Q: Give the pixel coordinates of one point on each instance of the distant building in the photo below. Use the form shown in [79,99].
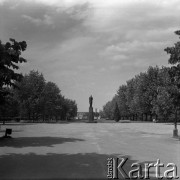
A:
[82,115]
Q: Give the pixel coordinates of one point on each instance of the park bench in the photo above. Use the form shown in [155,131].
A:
[8,132]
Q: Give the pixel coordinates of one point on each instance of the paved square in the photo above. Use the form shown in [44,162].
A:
[80,150]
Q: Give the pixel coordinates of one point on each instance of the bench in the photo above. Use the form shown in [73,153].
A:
[8,132]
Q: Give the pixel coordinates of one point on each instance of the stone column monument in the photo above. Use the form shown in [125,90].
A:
[91,114]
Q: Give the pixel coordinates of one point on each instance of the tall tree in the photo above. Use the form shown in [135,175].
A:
[122,101]
[10,56]
[39,99]
[50,100]
[162,102]
[30,93]
[116,113]
[174,73]
[108,110]
[9,59]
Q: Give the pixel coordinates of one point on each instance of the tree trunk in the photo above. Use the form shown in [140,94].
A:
[175,121]
[43,117]
[33,116]
[156,117]
[29,114]
[146,117]
[151,117]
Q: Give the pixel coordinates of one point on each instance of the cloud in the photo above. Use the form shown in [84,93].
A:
[47,20]
[115,67]
[102,69]
[133,46]
[41,25]
[118,15]
[2,2]
[91,46]
[84,67]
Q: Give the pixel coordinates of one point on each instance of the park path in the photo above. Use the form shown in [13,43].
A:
[80,150]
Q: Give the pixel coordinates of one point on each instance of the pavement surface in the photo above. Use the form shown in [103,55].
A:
[80,150]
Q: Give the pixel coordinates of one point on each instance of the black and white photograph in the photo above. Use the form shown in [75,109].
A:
[89,89]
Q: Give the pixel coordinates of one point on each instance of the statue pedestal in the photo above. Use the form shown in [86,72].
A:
[91,114]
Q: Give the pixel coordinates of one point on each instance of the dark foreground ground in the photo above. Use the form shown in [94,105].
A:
[80,150]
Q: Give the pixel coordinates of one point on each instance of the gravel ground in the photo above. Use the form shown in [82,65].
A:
[80,150]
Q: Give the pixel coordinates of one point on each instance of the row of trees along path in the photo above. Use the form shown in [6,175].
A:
[151,94]
[30,96]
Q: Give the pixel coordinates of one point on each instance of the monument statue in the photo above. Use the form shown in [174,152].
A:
[90,101]
[91,114]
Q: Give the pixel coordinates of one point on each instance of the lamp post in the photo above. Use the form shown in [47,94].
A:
[175,131]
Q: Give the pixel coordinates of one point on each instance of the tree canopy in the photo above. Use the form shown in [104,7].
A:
[29,96]
[37,100]
[155,92]
[9,59]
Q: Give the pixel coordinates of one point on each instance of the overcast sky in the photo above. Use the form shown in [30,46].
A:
[91,46]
